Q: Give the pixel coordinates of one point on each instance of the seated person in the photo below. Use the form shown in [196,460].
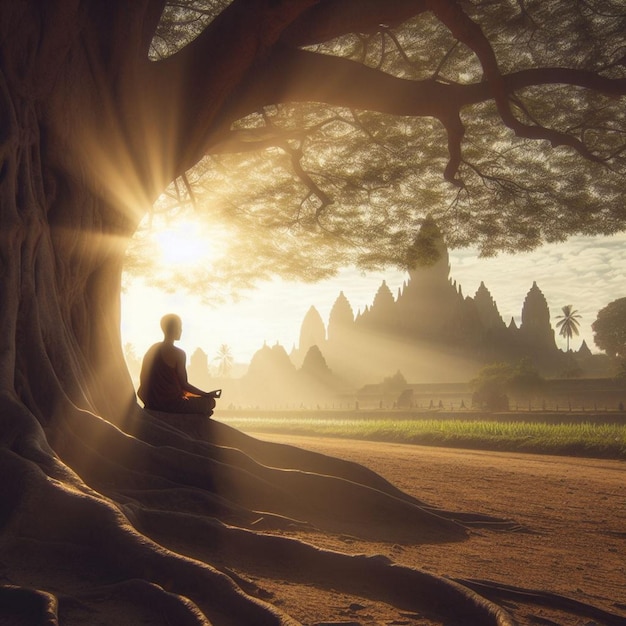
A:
[163,384]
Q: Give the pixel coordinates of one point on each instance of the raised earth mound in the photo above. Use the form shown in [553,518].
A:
[188,521]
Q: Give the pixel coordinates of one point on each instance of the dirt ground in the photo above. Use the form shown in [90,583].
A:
[571,539]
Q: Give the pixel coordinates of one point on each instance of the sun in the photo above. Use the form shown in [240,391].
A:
[184,244]
[181,244]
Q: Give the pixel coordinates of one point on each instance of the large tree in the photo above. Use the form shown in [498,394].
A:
[609,329]
[504,120]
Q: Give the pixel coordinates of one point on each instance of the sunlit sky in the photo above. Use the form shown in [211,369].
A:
[587,273]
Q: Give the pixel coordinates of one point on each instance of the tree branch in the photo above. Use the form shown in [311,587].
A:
[197,82]
[302,76]
[240,64]
[468,32]
[334,18]
[153,12]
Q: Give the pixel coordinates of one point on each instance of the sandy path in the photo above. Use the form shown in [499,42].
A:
[573,510]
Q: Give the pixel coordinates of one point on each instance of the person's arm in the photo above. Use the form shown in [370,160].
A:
[181,372]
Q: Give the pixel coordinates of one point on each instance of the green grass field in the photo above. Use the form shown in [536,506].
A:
[582,439]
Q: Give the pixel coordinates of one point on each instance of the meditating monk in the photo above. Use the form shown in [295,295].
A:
[163,384]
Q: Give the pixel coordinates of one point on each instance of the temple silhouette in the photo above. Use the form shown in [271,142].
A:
[427,342]
[432,333]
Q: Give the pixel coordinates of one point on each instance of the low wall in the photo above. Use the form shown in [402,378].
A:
[593,394]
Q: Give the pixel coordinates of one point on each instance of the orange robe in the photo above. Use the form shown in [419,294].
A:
[160,388]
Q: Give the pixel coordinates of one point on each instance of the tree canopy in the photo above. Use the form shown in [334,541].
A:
[496,381]
[609,329]
[505,123]
[360,120]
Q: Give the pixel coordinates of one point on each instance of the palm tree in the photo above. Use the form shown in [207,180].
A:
[224,360]
[569,323]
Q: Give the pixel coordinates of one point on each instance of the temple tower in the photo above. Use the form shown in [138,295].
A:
[382,314]
[341,318]
[312,332]
[429,306]
[535,330]
[487,309]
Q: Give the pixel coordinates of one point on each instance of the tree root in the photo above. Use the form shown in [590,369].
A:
[20,605]
[374,577]
[500,591]
[329,502]
[88,521]
[174,524]
[169,607]
[220,435]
